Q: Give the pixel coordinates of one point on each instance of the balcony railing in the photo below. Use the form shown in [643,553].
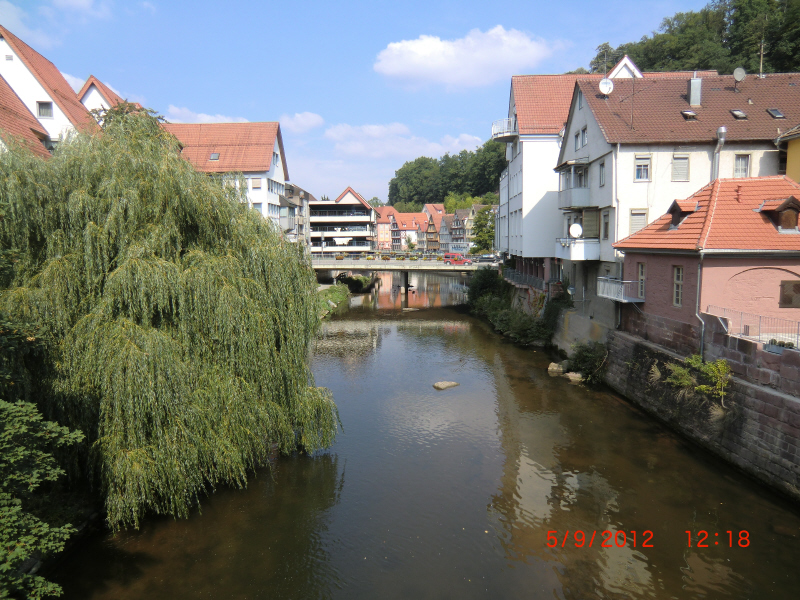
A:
[759,328]
[577,197]
[577,248]
[621,291]
[338,213]
[504,130]
[339,228]
[517,278]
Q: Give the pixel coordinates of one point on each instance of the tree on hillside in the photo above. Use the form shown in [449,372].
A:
[375,202]
[483,230]
[408,207]
[416,181]
[180,320]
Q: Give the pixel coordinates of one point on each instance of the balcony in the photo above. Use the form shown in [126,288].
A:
[287,222]
[578,249]
[577,197]
[621,291]
[504,130]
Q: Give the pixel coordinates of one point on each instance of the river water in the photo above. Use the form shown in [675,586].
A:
[452,494]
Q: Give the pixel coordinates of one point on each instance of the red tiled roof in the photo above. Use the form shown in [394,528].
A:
[51,80]
[658,102]
[384,213]
[409,221]
[17,121]
[789,134]
[244,147]
[111,97]
[543,101]
[358,196]
[729,217]
[436,219]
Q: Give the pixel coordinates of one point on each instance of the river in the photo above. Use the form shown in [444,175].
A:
[452,494]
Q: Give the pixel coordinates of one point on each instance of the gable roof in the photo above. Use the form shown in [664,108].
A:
[51,79]
[433,209]
[17,121]
[110,96]
[789,134]
[657,104]
[463,213]
[543,101]
[410,221]
[731,214]
[358,197]
[384,213]
[244,147]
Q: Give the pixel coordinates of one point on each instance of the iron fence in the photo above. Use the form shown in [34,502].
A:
[621,291]
[760,328]
[514,276]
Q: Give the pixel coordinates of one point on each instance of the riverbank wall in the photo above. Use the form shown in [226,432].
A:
[759,432]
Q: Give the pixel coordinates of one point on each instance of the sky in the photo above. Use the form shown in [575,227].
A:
[358,87]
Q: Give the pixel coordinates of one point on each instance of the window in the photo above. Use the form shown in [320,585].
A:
[602,174]
[741,167]
[739,115]
[257,206]
[584,137]
[606,222]
[638,220]
[680,168]
[642,169]
[641,270]
[45,109]
[580,99]
[214,156]
[577,141]
[677,286]
[774,112]
[256,183]
[9,57]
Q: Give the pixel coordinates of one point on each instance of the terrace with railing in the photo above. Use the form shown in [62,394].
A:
[621,291]
[760,328]
[517,278]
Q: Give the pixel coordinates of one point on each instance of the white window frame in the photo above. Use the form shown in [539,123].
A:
[577,141]
[680,157]
[584,137]
[736,160]
[642,161]
[40,106]
[605,224]
[677,286]
[256,183]
[602,173]
[580,100]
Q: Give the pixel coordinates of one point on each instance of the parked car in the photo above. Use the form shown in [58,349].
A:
[456,259]
[490,258]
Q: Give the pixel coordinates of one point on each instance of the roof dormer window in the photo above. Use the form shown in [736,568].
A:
[787,220]
[782,213]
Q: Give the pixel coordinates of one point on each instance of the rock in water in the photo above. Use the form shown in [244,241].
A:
[555,369]
[574,377]
[444,385]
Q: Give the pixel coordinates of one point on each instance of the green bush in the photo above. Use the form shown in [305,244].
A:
[589,359]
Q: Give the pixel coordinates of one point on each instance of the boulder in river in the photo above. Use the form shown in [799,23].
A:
[555,368]
[574,377]
[444,385]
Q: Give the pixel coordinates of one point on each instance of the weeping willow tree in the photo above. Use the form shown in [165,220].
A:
[178,319]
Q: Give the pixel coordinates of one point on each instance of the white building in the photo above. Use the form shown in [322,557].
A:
[628,155]
[17,122]
[41,88]
[528,213]
[253,149]
[345,225]
[96,95]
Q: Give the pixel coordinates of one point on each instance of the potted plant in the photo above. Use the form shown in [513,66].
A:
[775,346]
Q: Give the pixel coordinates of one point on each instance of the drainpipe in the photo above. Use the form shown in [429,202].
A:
[721,131]
[697,308]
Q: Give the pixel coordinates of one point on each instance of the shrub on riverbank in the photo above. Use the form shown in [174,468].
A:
[355,283]
[179,319]
[491,297]
[337,293]
[589,359]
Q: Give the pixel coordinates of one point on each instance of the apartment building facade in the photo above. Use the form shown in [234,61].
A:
[346,225]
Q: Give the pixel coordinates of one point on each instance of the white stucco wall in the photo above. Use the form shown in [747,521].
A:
[93,99]
[541,217]
[30,91]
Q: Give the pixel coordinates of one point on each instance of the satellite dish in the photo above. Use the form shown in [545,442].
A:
[606,86]
[739,74]
[575,230]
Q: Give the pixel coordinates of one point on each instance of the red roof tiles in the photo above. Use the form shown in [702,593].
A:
[111,97]
[657,104]
[410,221]
[51,80]
[17,121]
[729,216]
[245,147]
[385,213]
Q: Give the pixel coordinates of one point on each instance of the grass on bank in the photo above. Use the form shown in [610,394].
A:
[337,293]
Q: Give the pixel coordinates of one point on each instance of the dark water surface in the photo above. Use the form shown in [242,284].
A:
[451,494]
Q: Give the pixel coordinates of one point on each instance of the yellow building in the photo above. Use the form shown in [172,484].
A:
[790,141]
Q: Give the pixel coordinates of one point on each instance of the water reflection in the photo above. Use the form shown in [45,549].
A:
[426,290]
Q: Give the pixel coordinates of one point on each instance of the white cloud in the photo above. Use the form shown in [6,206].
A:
[13,18]
[479,58]
[301,122]
[76,83]
[393,140]
[87,8]
[178,114]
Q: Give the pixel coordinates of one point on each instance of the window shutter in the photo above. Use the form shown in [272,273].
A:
[680,168]
[638,221]
[591,223]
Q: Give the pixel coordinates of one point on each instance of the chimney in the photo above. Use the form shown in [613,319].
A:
[693,94]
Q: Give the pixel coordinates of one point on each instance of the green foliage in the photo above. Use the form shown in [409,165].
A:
[26,463]
[483,229]
[355,283]
[429,180]
[723,35]
[336,293]
[408,207]
[375,202]
[589,359]
[180,320]
[718,373]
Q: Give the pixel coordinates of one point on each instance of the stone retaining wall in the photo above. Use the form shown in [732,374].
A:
[761,432]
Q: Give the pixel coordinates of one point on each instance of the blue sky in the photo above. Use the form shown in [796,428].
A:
[359,87]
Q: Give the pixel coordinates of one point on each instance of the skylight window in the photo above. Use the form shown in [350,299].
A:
[689,115]
[775,113]
[738,114]
[214,156]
